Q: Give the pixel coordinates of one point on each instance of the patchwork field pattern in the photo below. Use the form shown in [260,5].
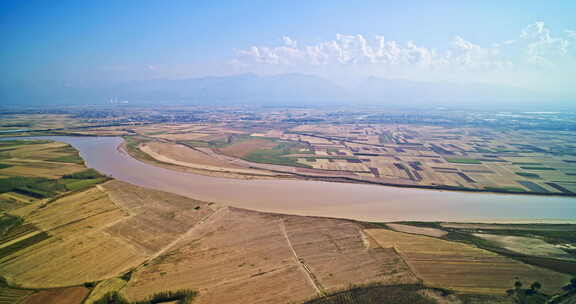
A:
[462,267]
[168,242]
[140,242]
[472,158]
[69,231]
[266,258]
[467,158]
[98,233]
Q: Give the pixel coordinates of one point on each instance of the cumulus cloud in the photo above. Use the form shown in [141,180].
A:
[464,54]
[543,48]
[537,45]
[345,50]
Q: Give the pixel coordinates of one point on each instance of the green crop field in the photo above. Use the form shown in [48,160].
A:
[276,155]
[463,161]
[507,189]
[538,168]
[74,159]
[527,174]
[75,185]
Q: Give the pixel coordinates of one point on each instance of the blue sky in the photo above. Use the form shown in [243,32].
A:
[82,43]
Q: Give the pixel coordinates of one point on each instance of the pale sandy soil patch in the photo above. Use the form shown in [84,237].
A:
[526,245]
[418,230]
[183,156]
[462,267]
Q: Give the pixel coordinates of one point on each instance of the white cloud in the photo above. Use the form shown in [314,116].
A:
[344,50]
[289,42]
[466,55]
[536,44]
[542,48]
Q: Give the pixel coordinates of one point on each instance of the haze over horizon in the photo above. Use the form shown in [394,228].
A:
[419,53]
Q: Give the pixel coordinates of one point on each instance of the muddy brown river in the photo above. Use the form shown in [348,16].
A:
[316,198]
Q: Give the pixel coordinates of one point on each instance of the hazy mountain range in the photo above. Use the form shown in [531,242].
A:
[290,89]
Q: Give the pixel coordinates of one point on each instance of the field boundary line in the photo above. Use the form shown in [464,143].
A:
[396,249]
[305,268]
[181,237]
[110,196]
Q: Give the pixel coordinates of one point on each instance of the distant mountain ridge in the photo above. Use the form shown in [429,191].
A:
[244,88]
[295,89]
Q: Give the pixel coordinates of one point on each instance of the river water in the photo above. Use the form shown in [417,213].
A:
[316,198]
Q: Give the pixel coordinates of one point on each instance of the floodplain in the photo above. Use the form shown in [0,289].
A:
[123,241]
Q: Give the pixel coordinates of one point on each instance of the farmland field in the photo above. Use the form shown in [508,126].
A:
[198,160]
[13,295]
[418,230]
[526,245]
[304,255]
[463,267]
[72,295]
[139,243]
[36,170]
[475,159]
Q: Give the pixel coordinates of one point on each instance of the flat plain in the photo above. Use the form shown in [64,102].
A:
[153,241]
[116,237]
[462,267]
[476,159]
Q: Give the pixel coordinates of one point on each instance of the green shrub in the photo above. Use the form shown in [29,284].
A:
[184,296]
[112,298]
[86,174]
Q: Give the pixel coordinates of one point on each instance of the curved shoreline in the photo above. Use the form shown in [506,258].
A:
[335,179]
[295,175]
[357,201]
